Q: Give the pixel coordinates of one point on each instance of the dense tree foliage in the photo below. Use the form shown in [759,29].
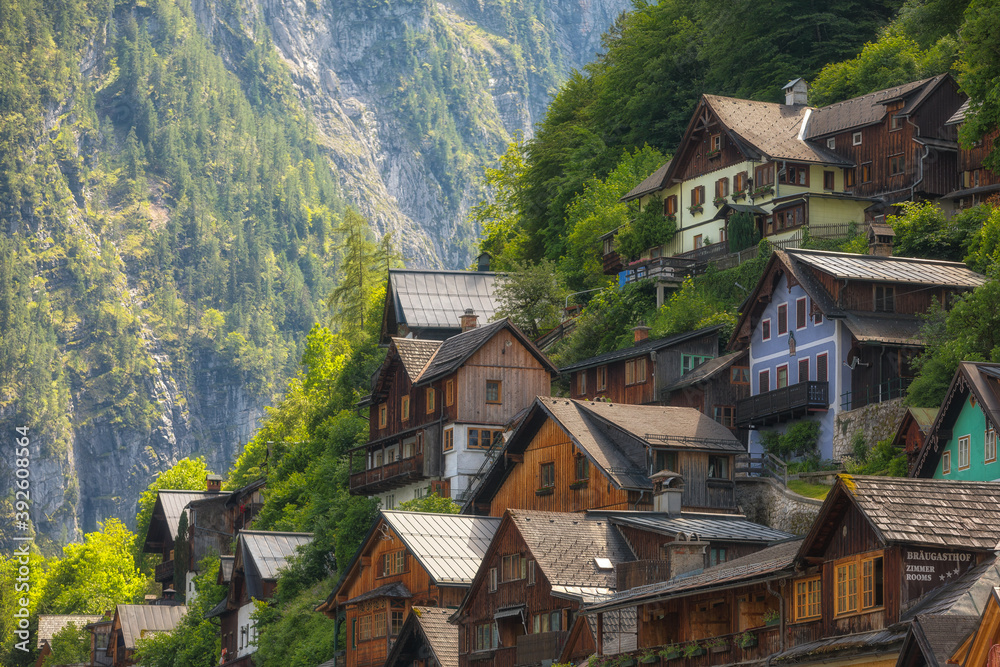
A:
[71,645]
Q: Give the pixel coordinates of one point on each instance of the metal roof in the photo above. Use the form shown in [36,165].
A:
[705,526]
[139,620]
[449,546]
[437,299]
[173,503]
[641,348]
[877,268]
[50,624]
[270,550]
[891,328]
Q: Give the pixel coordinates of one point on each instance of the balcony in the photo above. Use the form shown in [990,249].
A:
[532,649]
[782,405]
[164,571]
[389,476]
[722,650]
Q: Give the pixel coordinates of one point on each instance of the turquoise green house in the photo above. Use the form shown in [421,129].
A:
[962,442]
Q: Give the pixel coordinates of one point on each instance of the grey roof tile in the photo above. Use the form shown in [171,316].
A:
[650,184]
[863,110]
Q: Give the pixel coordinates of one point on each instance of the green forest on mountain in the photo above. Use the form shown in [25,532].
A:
[246,257]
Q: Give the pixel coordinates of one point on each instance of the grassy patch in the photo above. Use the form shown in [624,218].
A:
[808,490]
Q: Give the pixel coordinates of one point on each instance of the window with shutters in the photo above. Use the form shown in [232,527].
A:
[782,319]
[821,368]
[800,313]
[866,172]
[828,180]
[670,205]
[698,195]
[764,381]
[804,370]
[850,177]
[764,175]
[740,182]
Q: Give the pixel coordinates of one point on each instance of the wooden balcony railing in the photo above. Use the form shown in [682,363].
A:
[164,571]
[388,476]
[722,650]
[532,649]
[783,404]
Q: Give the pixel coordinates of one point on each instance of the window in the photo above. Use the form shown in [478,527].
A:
[850,178]
[866,172]
[847,588]
[669,206]
[990,445]
[602,378]
[718,467]
[378,624]
[547,472]
[429,399]
[722,187]
[698,241]
[725,415]
[449,440]
[449,393]
[765,329]
[782,319]
[635,371]
[739,375]
[383,415]
[856,139]
[581,382]
[698,195]
[963,452]
[821,368]
[493,388]
[895,123]
[691,361]
[484,438]
[808,598]
[581,467]
[548,621]
[531,573]
[487,637]
[946,463]
[365,628]
[404,408]
[782,376]
[717,555]
[513,567]
[791,216]
[885,298]
[831,143]
[859,580]
[803,370]
[800,313]
[493,580]
[828,180]
[664,460]
[817,316]
[716,143]
[871,583]
[764,175]
[396,623]
[897,165]
[794,174]
[764,383]
[740,182]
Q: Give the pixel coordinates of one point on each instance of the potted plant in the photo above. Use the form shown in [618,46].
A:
[740,194]
[718,645]
[747,640]
[763,191]
[771,617]
[648,657]
[693,650]
[625,661]
[719,201]
[697,208]
[671,652]
[713,154]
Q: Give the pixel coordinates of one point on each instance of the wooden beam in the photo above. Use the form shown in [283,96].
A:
[516,458]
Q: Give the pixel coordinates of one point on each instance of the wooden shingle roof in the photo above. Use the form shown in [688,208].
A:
[441,635]
[414,353]
[652,183]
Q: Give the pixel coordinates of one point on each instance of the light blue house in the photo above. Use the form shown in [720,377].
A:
[830,332]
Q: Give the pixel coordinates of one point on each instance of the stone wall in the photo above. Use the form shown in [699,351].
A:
[877,421]
[766,501]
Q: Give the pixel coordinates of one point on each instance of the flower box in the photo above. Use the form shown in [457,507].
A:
[671,653]
[578,484]
[771,622]
[737,196]
[547,491]
[719,201]
[747,640]
[698,208]
[649,659]
[719,648]
[711,155]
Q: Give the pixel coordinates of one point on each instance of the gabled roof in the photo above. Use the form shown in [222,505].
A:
[652,183]
[414,354]
[869,109]
[172,503]
[449,546]
[426,627]
[261,554]
[918,512]
[705,372]
[641,348]
[707,527]
[936,636]
[983,381]
[455,351]
[959,116]
[139,620]
[50,624]
[774,561]
[430,299]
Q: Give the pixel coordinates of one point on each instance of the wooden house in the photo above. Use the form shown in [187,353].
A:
[912,431]
[437,408]
[829,332]
[571,456]
[427,639]
[134,621]
[407,559]
[639,374]
[253,575]
[163,528]
[100,640]
[427,304]
[713,388]
[50,624]
[962,441]
[976,183]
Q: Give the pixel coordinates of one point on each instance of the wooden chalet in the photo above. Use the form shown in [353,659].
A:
[912,431]
[427,304]
[407,559]
[639,374]
[976,183]
[571,456]
[885,556]
[134,621]
[252,575]
[437,408]
[713,388]
[829,332]
[427,639]
[163,530]
[962,441]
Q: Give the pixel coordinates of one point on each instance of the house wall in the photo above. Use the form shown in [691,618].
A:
[246,631]
[970,422]
[700,492]
[642,393]
[502,358]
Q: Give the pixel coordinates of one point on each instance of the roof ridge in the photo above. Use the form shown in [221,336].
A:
[880,258]
[454,271]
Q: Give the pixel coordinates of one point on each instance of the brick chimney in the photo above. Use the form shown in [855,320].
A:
[213,483]
[641,333]
[796,92]
[468,320]
[880,238]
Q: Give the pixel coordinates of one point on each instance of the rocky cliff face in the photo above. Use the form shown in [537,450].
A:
[367,70]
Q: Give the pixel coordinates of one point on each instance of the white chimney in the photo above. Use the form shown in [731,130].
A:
[796,92]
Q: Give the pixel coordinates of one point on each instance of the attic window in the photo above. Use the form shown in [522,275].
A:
[831,143]
[603,563]
[856,139]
